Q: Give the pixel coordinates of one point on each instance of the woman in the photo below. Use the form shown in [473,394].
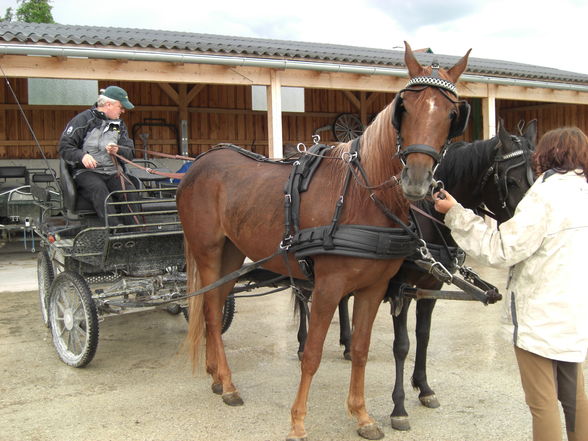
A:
[545,245]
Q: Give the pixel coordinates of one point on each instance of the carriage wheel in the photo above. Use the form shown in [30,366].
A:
[228,313]
[73,319]
[45,276]
[346,127]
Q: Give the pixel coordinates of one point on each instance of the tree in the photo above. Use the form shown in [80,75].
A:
[31,11]
[9,15]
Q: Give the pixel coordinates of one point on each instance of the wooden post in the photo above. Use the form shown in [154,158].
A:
[274,116]
[489,112]
[183,113]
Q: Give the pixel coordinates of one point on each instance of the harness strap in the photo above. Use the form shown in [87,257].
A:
[298,182]
[355,241]
[353,155]
[245,269]
[150,170]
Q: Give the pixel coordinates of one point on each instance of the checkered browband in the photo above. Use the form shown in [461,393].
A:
[433,81]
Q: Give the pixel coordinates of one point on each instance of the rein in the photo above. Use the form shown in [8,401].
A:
[148,169]
[165,155]
[124,180]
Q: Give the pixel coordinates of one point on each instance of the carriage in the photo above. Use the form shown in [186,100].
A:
[87,271]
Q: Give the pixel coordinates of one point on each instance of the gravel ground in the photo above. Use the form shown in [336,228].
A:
[140,385]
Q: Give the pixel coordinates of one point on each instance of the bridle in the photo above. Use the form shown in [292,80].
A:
[503,162]
[458,123]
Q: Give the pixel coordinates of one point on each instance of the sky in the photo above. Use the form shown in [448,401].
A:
[538,32]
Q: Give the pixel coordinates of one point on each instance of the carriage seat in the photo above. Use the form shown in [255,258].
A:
[72,201]
[13,177]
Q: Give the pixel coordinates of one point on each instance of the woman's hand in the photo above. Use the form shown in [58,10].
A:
[443,201]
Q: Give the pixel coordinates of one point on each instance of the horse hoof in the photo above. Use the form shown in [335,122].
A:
[430,401]
[232,399]
[217,388]
[400,423]
[347,355]
[300,354]
[370,431]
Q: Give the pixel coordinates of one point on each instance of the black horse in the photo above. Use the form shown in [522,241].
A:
[495,173]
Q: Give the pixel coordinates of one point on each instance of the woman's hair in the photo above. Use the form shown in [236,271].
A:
[564,149]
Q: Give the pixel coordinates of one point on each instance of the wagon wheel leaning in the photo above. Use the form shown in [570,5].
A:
[73,319]
[228,313]
[346,127]
[45,276]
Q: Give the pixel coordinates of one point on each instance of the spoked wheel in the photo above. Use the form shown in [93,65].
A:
[73,319]
[228,313]
[45,276]
[346,127]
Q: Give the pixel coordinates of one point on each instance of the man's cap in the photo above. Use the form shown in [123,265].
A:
[119,94]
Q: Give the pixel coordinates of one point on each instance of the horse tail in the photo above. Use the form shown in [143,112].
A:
[195,336]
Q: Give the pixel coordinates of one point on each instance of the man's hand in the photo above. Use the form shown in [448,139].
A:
[443,201]
[111,148]
[89,161]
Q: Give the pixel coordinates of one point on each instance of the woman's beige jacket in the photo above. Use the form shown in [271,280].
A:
[546,245]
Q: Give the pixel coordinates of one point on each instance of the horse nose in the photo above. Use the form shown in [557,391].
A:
[416,181]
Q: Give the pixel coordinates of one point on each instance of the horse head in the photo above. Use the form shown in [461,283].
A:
[512,172]
[426,115]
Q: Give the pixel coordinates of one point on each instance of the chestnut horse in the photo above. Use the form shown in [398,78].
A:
[231,207]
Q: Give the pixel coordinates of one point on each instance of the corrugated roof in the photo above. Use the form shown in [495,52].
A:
[56,34]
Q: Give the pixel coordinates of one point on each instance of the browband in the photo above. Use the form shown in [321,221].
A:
[433,81]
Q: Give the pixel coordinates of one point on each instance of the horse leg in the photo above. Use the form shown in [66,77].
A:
[423,330]
[344,328]
[216,362]
[302,307]
[321,313]
[399,417]
[365,308]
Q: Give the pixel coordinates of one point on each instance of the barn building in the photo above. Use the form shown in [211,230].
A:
[192,91]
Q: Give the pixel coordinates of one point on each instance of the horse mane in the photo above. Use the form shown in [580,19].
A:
[466,161]
[376,152]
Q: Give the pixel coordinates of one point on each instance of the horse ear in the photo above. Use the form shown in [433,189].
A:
[414,67]
[503,135]
[501,130]
[455,72]
[531,132]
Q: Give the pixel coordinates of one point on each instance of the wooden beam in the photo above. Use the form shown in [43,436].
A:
[370,99]
[143,71]
[194,92]
[363,108]
[21,66]
[171,109]
[170,92]
[354,100]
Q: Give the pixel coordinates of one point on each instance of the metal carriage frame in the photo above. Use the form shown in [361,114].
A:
[88,272]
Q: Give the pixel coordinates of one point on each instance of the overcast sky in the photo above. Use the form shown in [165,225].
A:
[540,32]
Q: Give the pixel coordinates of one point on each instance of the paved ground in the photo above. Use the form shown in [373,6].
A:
[140,385]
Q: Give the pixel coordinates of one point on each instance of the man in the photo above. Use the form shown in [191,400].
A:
[87,144]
